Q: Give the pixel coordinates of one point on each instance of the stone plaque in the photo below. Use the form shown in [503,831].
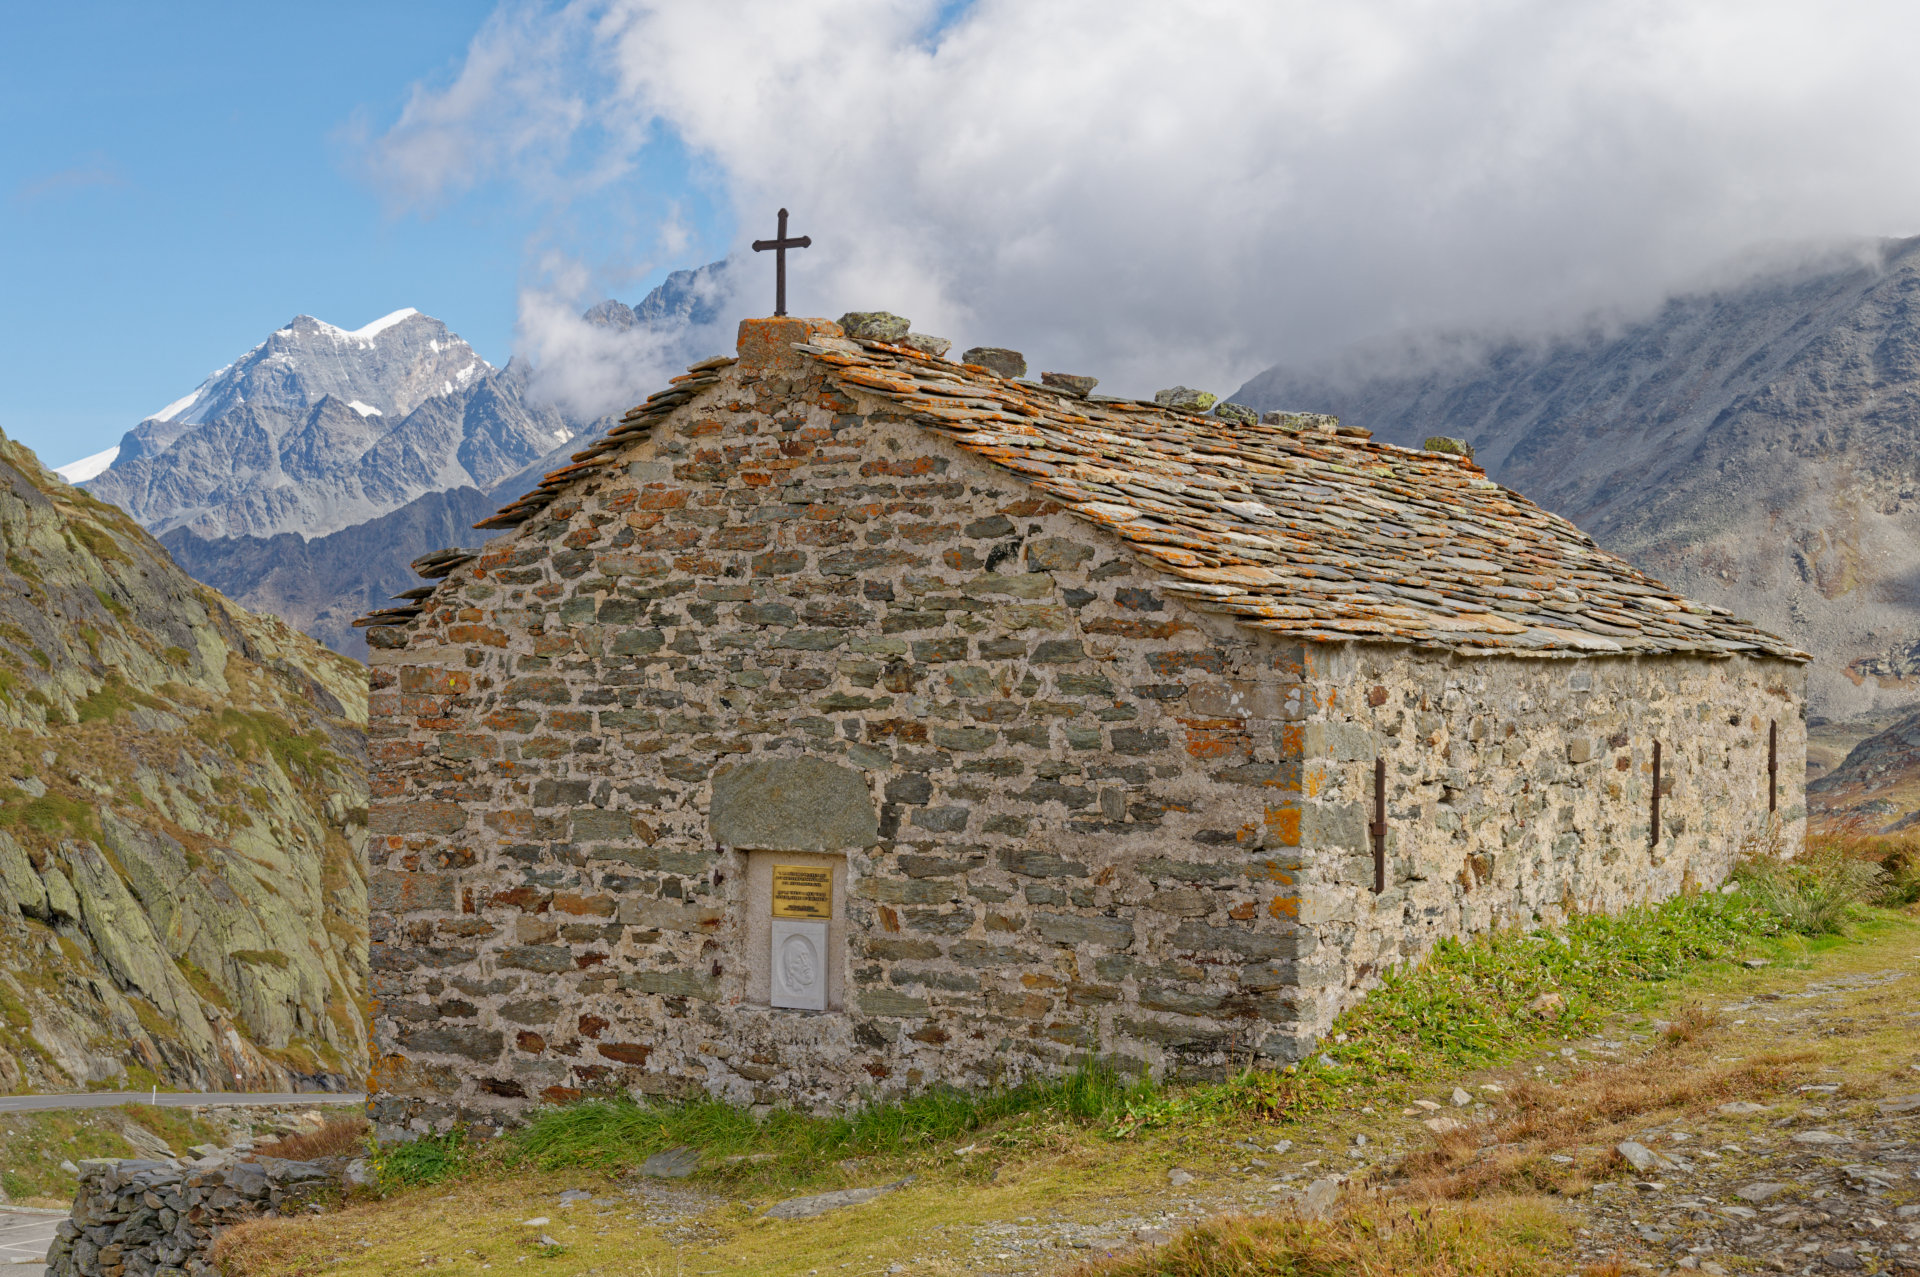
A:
[802,891]
[793,804]
[799,964]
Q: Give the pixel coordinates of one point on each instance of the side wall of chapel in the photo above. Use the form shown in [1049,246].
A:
[1520,790]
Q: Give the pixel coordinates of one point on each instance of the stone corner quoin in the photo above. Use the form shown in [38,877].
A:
[1077,813]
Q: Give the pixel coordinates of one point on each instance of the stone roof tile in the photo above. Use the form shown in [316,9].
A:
[1257,519]
[1291,524]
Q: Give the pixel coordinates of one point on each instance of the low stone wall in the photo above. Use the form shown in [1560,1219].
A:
[159,1218]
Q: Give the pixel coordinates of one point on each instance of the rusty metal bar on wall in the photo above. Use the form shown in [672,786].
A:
[1379,826]
[1653,834]
[1773,765]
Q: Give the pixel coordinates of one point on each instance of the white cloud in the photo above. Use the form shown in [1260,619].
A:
[1152,192]
[591,369]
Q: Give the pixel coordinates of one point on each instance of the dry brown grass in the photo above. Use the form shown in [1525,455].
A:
[1896,855]
[340,1137]
[1513,1153]
[261,1245]
[1690,1021]
[1852,839]
[1488,1239]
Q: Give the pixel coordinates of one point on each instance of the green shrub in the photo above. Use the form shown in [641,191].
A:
[1900,885]
[1817,894]
[426,1160]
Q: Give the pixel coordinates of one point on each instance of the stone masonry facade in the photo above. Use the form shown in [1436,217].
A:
[1520,790]
[1097,820]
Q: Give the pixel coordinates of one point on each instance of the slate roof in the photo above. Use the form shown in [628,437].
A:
[1291,524]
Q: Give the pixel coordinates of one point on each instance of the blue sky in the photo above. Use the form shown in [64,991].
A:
[1144,192]
[181,179]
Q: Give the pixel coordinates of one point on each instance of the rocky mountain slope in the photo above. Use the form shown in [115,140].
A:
[1877,785]
[684,299]
[318,429]
[320,585]
[1756,446]
[182,806]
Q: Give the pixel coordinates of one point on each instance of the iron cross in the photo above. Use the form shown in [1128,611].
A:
[780,244]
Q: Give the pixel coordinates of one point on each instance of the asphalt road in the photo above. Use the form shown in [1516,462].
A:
[24,1238]
[174,1099]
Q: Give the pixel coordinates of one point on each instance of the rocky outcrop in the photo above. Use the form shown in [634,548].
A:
[1752,446]
[182,805]
[1877,785]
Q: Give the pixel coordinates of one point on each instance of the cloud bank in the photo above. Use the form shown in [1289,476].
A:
[1151,192]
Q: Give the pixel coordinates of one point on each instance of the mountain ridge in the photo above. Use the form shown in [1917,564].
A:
[1754,445]
[319,428]
[304,484]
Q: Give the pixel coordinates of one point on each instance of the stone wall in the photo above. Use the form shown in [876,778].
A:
[1076,816]
[1519,791]
[139,1218]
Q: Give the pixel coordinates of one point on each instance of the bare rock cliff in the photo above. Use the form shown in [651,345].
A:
[182,807]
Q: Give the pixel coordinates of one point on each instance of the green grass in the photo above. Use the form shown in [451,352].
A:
[252,734]
[612,1134]
[427,1160]
[261,957]
[1818,894]
[99,542]
[1484,1000]
[106,702]
[32,1145]
[53,816]
[1471,1003]
[113,605]
[14,1011]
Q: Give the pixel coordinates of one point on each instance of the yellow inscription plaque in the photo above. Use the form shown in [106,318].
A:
[801,891]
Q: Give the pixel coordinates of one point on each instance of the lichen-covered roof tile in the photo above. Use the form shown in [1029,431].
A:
[1299,527]
[1291,526]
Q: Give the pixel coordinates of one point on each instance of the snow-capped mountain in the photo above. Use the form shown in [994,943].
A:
[320,428]
[86,467]
[302,478]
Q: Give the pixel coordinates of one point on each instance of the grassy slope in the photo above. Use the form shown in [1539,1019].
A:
[32,1145]
[1055,1170]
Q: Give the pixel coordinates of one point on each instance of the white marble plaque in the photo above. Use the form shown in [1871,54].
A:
[799,964]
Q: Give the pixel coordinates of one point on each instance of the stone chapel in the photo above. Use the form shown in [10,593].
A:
[851,720]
